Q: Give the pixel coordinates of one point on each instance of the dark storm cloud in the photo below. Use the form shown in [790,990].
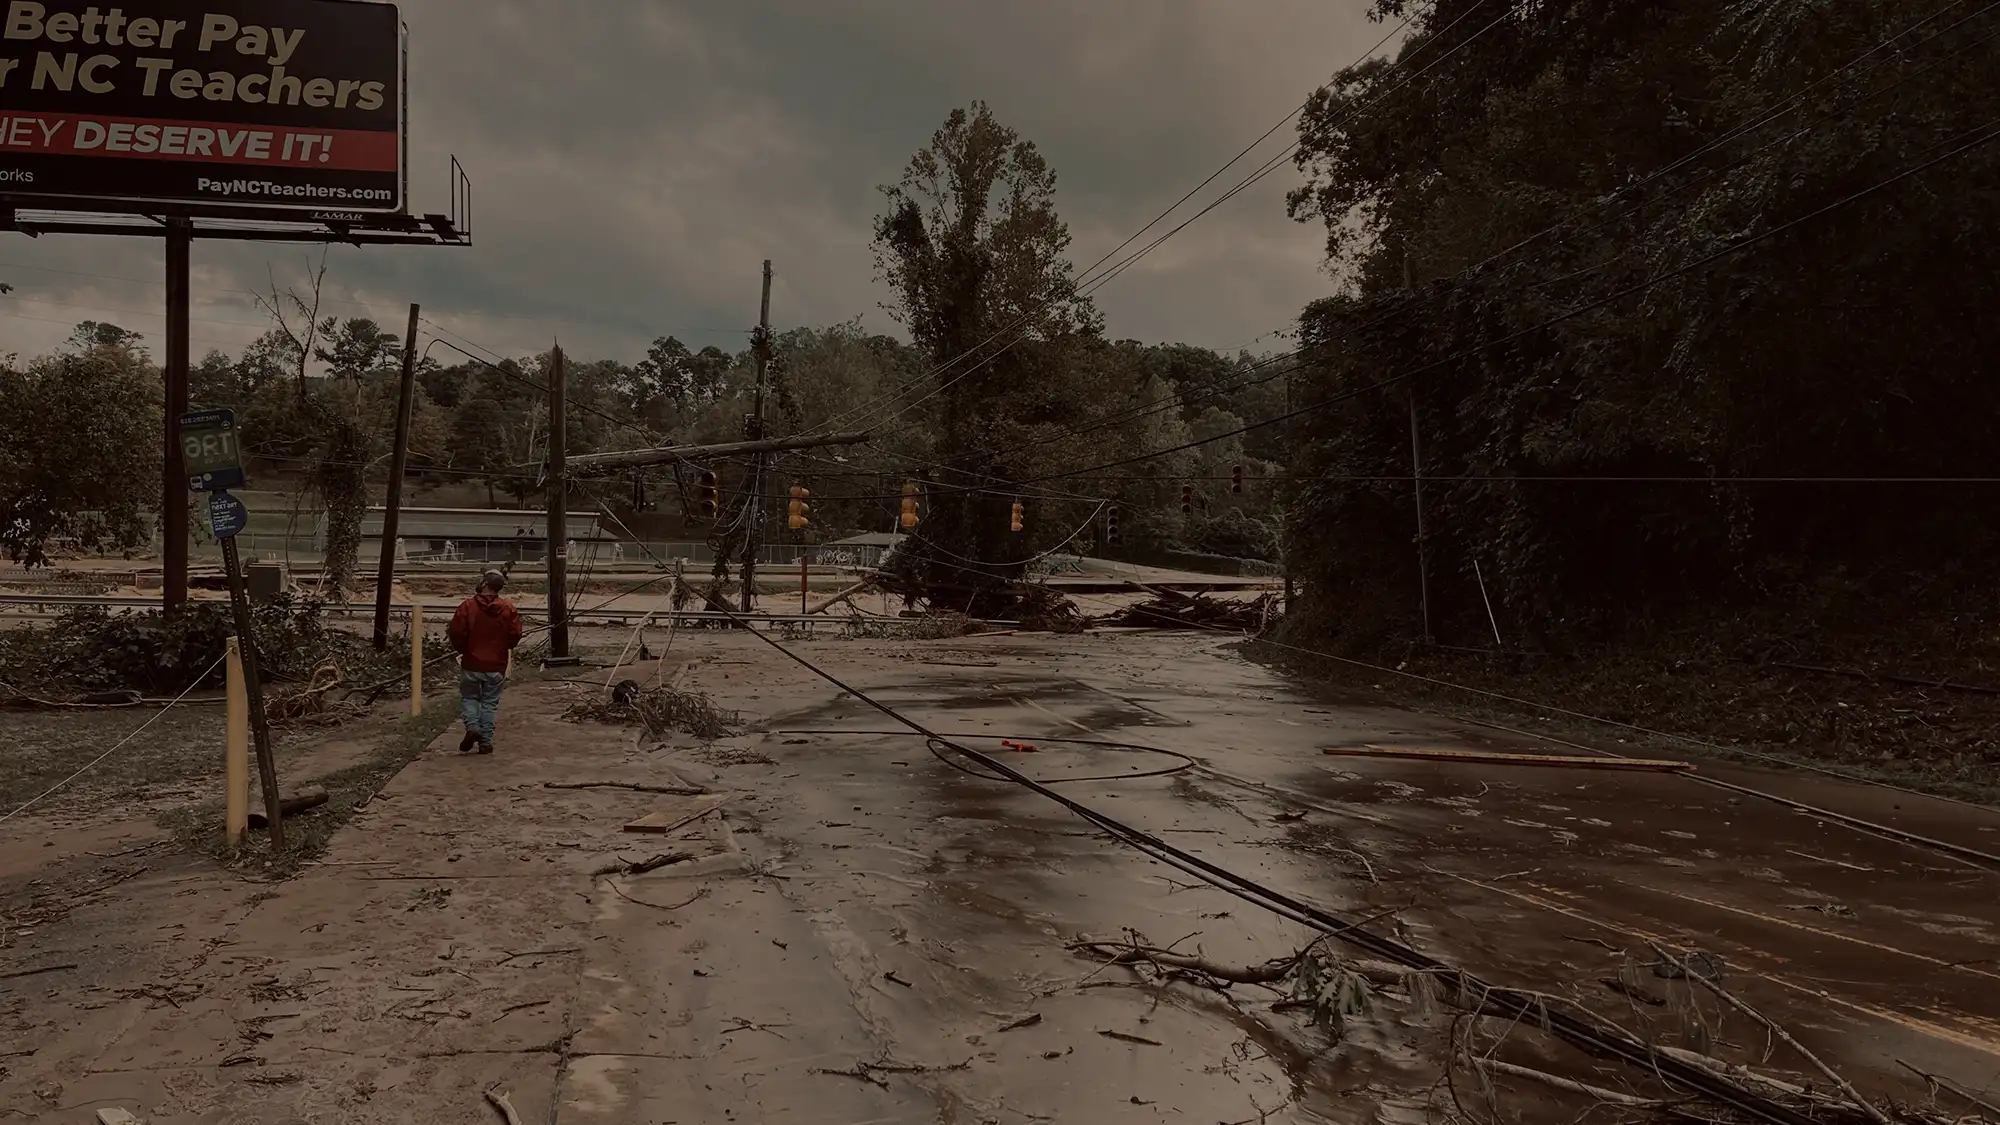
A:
[631,170]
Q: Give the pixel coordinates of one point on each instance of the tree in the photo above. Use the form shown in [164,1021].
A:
[79,445]
[357,348]
[102,334]
[972,250]
[1535,246]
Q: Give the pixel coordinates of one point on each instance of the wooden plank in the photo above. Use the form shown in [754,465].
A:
[678,814]
[1489,757]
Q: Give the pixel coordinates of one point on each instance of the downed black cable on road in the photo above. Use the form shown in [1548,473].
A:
[1470,991]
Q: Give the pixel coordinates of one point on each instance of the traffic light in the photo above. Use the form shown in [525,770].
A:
[797,517]
[1187,499]
[1236,478]
[705,496]
[1016,524]
[1111,527]
[909,503]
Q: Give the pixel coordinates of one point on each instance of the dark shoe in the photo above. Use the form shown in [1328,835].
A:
[485,747]
[468,742]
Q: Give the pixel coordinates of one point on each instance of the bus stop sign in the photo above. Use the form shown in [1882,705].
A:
[211,451]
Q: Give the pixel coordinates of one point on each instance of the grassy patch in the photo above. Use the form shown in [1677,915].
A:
[199,827]
[44,747]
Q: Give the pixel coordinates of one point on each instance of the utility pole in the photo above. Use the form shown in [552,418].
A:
[392,507]
[761,347]
[1423,549]
[174,480]
[558,513]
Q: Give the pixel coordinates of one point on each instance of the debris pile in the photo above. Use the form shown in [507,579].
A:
[1042,609]
[1336,993]
[661,710]
[1170,610]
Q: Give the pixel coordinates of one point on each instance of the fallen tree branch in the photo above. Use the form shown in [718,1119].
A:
[1612,1097]
[623,867]
[1728,997]
[673,790]
[35,972]
[1939,1082]
[655,905]
[505,1107]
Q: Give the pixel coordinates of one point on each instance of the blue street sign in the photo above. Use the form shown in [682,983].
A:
[226,515]
[210,450]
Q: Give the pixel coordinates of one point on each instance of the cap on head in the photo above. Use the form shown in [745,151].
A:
[492,580]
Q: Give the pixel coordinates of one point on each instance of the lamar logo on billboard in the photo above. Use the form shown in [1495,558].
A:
[146,100]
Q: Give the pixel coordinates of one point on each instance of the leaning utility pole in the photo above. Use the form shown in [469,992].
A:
[760,346]
[392,507]
[558,513]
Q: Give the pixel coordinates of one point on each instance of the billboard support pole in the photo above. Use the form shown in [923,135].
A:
[392,505]
[174,481]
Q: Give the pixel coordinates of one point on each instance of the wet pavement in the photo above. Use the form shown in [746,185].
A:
[870,934]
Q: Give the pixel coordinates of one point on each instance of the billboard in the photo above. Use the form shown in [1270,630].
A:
[237,106]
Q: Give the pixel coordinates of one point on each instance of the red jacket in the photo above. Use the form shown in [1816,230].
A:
[485,628]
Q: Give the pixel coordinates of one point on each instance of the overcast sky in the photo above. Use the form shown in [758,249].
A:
[631,170]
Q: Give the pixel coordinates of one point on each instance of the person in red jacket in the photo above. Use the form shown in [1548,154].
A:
[483,631]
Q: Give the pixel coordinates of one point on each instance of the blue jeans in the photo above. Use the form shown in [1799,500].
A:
[478,700]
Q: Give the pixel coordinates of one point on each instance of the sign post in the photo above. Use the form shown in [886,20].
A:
[213,460]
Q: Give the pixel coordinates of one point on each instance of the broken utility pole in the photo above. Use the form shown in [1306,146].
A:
[760,346]
[558,515]
[392,509]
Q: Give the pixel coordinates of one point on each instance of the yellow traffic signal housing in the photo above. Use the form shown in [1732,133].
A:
[1016,524]
[705,496]
[796,518]
[909,518]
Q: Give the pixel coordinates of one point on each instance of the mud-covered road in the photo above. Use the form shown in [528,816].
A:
[869,933]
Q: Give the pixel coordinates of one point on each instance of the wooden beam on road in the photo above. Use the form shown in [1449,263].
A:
[1495,758]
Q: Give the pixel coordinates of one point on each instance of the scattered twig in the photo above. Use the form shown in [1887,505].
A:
[505,1107]
[894,979]
[624,867]
[537,953]
[655,905]
[511,1008]
[1572,1085]
[1939,1082]
[858,1071]
[1124,1038]
[746,1025]
[1592,941]
[35,972]
[1029,1020]
[1730,998]
[867,1071]
[675,790]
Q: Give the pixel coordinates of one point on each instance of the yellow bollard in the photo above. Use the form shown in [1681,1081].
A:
[236,752]
[416,659]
